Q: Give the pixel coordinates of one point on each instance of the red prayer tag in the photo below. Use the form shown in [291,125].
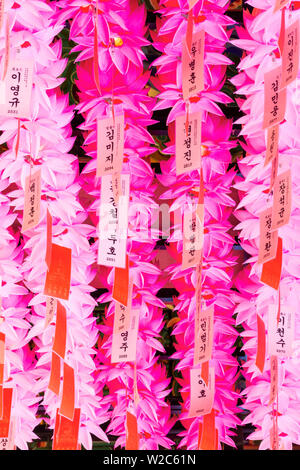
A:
[271,270]
[121,284]
[58,278]
[5,418]
[261,344]
[59,345]
[132,437]
[67,406]
[54,383]
[66,432]
[209,434]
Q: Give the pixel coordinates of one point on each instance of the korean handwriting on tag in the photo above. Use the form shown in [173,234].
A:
[18,87]
[188,147]
[32,201]
[110,145]
[192,239]
[274,378]
[282,200]
[204,335]
[290,56]
[113,223]
[267,240]
[281,334]
[126,323]
[272,144]
[202,395]
[193,66]
[275,99]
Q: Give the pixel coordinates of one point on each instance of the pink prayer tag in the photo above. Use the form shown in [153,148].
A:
[274,379]
[32,201]
[272,144]
[113,223]
[275,99]
[51,307]
[110,145]
[282,200]
[198,290]
[201,395]
[290,55]
[281,333]
[267,240]
[126,324]
[18,87]
[193,66]
[204,335]
[192,239]
[188,146]
[280,4]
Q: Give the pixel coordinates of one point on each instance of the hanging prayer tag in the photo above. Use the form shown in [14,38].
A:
[188,144]
[192,239]
[281,333]
[282,200]
[51,307]
[66,432]
[113,223]
[193,66]
[202,395]
[204,335]
[18,87]
[290,56]
[67,406]
[267,240]
[58,278]
[110,145]
[274,379]
[32,201]
[275,99]
[261,344]
[271,270]
[272,144]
